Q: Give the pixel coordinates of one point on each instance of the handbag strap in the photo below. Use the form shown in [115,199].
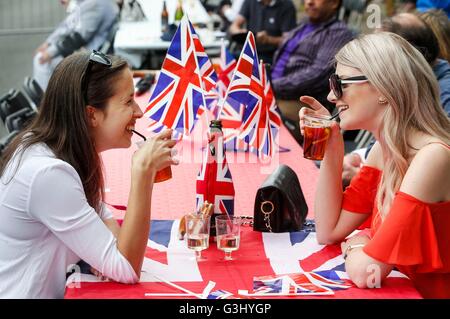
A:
[267,213]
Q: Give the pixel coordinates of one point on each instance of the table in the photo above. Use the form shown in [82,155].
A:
[260,253]
[134,39]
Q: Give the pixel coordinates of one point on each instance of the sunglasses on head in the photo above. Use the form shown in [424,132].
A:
[336,83]
[96,57]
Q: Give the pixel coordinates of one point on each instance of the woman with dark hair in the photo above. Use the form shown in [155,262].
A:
[51,190]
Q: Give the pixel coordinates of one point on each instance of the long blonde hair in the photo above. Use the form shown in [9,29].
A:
[402,75]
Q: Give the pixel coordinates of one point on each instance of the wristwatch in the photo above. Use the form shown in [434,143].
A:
[350,247]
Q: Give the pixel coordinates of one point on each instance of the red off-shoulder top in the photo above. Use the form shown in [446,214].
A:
[415,236]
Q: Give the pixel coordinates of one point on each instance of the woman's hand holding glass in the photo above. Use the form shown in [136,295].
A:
[154,154]
[335,141]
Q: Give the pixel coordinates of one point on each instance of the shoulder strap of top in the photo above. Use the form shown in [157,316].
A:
[442,143]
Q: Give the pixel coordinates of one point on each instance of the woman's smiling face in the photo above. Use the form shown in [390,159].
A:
[359,102]
[113,125]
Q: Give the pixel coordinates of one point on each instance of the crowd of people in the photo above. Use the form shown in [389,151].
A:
[399,188]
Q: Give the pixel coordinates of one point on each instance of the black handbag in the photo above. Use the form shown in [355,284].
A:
[280,205]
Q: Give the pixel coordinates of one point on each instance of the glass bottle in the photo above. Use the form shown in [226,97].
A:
[214,181]
[164,18]
[179,13]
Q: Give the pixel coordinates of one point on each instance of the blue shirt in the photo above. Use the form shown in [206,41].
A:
[442,71]
[425,5]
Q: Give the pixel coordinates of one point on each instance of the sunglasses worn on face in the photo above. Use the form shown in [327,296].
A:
[96,57]
[336,83]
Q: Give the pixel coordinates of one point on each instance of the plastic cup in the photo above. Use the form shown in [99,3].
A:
[317,129]
[163,175]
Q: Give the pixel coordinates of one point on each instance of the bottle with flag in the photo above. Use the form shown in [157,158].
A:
[214,181]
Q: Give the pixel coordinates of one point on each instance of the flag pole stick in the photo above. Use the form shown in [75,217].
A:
[178,287]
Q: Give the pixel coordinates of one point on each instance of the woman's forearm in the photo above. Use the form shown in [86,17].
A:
[327,207]
[135,228]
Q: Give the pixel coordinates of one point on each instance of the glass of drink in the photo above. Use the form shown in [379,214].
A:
[317,129]
[163,175]
[228,234]
[197,233]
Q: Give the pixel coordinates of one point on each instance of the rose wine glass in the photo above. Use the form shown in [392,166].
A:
[197,233]
[228,234]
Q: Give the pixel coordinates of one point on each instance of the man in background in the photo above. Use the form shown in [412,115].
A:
[268,20]
[303,62]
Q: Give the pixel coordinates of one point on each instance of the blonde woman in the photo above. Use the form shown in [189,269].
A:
[384,85]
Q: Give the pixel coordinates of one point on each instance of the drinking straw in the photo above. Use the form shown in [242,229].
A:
[137,133]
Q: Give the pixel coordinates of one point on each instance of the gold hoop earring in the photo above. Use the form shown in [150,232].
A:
[382,101]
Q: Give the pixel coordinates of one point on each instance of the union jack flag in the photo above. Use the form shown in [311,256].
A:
[250,89]
[261,121]
[214,181]
[186,75]
[307,283]
[237,93]
[216,95]
[226,68]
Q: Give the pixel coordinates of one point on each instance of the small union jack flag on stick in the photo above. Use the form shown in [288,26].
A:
[250,88]
[261,121]
[186,76]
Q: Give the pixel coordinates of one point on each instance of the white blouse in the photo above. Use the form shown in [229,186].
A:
[47,225]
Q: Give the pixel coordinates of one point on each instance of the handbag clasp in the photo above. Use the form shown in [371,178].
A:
[267,213]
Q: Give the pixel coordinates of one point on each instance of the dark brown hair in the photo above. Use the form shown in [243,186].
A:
[419,35]
[62,122]
[438,21]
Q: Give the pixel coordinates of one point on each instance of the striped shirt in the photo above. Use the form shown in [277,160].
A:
[310,64]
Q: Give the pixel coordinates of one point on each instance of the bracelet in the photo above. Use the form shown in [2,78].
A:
[350,247]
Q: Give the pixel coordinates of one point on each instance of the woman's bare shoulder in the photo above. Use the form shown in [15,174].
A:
[428,175]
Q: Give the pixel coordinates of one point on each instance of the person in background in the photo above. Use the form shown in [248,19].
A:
[52,184]
[302,63]
[405,184]
[130,10]
[228,11]
[87,24]
[425,5]
[408,5]
[440,24]
[268,20]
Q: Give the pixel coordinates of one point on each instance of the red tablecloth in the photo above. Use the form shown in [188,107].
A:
[176,197]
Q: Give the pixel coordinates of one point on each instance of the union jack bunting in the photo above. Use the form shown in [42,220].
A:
[186,75]
[261,121]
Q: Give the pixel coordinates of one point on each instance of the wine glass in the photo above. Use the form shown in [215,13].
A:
[197,233]
[228,234]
